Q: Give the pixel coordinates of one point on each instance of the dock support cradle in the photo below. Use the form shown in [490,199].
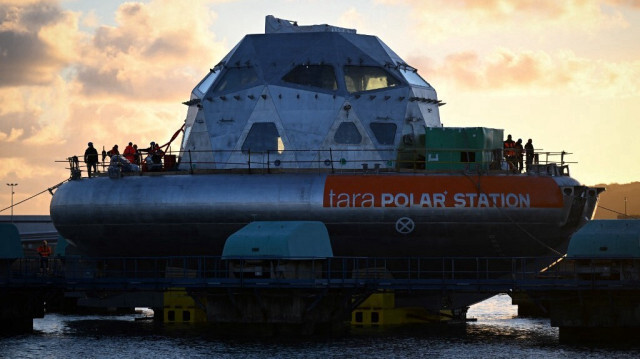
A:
[18,308]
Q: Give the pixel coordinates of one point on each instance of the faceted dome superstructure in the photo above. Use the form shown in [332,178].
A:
[307,97]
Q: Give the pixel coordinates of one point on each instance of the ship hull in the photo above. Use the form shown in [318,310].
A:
[366,215]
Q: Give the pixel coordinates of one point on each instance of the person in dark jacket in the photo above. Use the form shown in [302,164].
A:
[519,154]
[136,155]
[528,150]
[91,159]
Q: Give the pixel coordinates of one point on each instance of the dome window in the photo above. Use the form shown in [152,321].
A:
[237,78]
[208,80]
[347,134]
[368,78]
[385,133]
[263,137]
[320,76]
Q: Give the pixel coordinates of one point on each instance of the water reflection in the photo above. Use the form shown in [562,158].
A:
[496,333]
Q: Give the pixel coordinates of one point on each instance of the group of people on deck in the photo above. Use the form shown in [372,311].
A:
[131,153]
[514,153]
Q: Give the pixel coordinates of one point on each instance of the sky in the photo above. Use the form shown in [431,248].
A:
[563,73]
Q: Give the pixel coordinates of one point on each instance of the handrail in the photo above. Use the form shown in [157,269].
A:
[468,160]
[400,273]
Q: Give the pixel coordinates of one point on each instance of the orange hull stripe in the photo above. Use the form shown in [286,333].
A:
[441,191]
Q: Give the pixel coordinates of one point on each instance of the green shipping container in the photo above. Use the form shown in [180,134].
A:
[461,148]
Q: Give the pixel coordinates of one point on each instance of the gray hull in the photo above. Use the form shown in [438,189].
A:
[194,214]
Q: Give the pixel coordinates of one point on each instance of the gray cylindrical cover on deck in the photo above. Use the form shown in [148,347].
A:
[282,239]
[10,245]
[606,238]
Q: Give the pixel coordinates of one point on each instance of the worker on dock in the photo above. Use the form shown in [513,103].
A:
[44,251]
[91,159]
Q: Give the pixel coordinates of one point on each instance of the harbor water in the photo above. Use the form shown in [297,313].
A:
[497,333]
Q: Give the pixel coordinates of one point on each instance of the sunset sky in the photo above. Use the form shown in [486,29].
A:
[564,73]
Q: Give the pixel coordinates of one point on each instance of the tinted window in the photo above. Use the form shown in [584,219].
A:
[185,137]
[413,78]
[236,79]
[347,133]
[262,137]
[208,80]
[385,133]
[367,78]
[321,76]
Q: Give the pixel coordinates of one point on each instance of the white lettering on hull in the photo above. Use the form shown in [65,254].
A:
[430,200]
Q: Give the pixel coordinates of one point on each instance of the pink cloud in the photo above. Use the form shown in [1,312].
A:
[149,52]
[538,71]
[61,87]
[629,3]
[28,56]
[439,20]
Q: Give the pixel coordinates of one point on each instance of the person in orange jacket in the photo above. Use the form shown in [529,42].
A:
[510,152]
[129,153]
[114,151]
[44,251]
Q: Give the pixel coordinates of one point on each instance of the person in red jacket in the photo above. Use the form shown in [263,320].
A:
[114,151]
[510,152]
[129,153]
[44,251]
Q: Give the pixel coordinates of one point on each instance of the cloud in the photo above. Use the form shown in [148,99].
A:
[157,51]
[534,71]
[628,3]
[30,108]
[439,20]
[12,136]
[18,168]
[62,85]
[91,19]
[37,39]
[46,136]
[352,19]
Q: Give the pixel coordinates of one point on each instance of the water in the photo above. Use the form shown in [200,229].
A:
[496,334]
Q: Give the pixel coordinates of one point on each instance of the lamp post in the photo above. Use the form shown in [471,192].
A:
[12,185]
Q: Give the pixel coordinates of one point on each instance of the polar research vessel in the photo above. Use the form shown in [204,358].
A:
[320,123]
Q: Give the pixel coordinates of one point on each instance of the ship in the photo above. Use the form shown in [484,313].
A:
[321,123]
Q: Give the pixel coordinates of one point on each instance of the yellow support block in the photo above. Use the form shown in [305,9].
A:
[386,300]
[379,310]
[180,307]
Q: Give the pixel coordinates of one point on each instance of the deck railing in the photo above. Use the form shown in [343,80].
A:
[479,273]
[336,160]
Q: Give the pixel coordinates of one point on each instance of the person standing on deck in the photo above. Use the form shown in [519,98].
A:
[129,153]
[509,152]
[519,153]
[91,159]
[136,155]
[528,149]
[114,151]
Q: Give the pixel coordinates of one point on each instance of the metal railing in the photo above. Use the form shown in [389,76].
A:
[343,160]
[460,274]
